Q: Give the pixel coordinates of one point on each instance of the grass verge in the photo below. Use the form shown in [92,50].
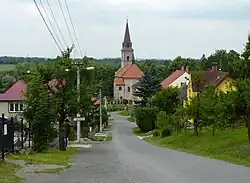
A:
[7,173]
[109,138]
[124,113]
[131,119]
[228,145]
[138,132]
[52,156]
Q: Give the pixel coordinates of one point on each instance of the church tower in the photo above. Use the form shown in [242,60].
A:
[127,52]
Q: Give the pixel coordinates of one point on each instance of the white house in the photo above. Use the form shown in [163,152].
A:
[11,102]
[177,78]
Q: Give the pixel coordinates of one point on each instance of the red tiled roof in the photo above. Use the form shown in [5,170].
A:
[130,71]
[15,93]
[119,81]
[175,75]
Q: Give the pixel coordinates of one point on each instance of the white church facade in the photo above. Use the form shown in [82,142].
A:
[129,73]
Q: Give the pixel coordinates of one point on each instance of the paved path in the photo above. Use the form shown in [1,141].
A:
[128,159]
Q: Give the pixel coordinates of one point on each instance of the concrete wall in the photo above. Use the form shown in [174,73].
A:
[124,93]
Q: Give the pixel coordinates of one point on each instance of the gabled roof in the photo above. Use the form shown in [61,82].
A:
[119,81]
[15,93]
[130,71]
[175,75]
[210,78]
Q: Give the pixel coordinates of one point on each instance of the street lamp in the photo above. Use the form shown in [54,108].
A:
[78,99]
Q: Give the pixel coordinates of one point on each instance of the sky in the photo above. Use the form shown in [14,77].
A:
[159,28]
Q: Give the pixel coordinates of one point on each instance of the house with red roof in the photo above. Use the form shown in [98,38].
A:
[12,101]
[129,73]
[178,78]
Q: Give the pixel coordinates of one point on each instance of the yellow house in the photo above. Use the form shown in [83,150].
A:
[221,80]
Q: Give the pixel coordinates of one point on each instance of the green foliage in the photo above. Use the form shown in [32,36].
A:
[145,118]
[72,134]
[156,133]
[166,131]
[147,86]
[166,100]
[40,112]
[115,107]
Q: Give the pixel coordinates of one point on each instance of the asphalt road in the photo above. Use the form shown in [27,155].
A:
[128,159]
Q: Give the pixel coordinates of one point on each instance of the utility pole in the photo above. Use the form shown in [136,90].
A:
[78,100]
[100,110]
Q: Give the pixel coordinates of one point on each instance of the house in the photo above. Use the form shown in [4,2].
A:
[221,80]
[177,78]
[12,101]
[129,73]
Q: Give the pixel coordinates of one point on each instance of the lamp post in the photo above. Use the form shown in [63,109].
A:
[78,64]
[100,110]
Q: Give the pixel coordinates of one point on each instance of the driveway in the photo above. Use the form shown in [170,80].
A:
[128,159]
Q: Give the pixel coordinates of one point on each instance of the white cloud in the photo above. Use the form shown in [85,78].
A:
[159,28]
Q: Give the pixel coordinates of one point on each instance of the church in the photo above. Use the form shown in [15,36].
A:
[129,73]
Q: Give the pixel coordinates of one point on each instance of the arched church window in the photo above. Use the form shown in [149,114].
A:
[128,89]
[120,88]
[127,58]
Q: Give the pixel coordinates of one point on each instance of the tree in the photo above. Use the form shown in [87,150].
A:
[40,111]
[147,86]
[193,108]
[166,100]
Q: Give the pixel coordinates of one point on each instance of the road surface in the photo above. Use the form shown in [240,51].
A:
[127,159]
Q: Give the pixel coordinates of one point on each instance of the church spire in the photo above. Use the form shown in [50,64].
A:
[127,41]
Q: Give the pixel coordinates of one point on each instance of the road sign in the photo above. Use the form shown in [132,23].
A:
[79,119]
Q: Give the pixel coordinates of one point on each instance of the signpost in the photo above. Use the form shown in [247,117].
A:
[79,119]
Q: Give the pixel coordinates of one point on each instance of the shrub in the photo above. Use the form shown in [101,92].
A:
[166,131]
[156,133]
[145,118]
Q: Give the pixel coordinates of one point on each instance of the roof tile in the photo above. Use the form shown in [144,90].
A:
[175,75]
[15,93]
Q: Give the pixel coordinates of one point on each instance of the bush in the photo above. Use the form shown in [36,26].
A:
[145,118]
[156,133]
[115,107]
[166,132]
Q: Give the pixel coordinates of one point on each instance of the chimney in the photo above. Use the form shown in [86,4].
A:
[187,69]
[214,66]
[182,68]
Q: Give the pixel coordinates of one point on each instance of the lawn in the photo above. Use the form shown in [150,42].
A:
[131,119]
[138,132]
[7,173]
[228,145]
[7,67]
[53,156]
[124,113]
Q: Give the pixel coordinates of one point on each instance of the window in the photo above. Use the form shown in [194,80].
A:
[120,88]
[128,89]
[182,83]
[16,107]
[127,58]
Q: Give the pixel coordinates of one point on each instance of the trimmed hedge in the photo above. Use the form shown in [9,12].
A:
[145,118]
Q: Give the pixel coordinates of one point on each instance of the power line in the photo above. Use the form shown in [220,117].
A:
[73,28]
[51,25]
[66,21]
[47,25]
[60,31]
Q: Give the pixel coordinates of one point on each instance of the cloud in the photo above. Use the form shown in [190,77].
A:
[159,28]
